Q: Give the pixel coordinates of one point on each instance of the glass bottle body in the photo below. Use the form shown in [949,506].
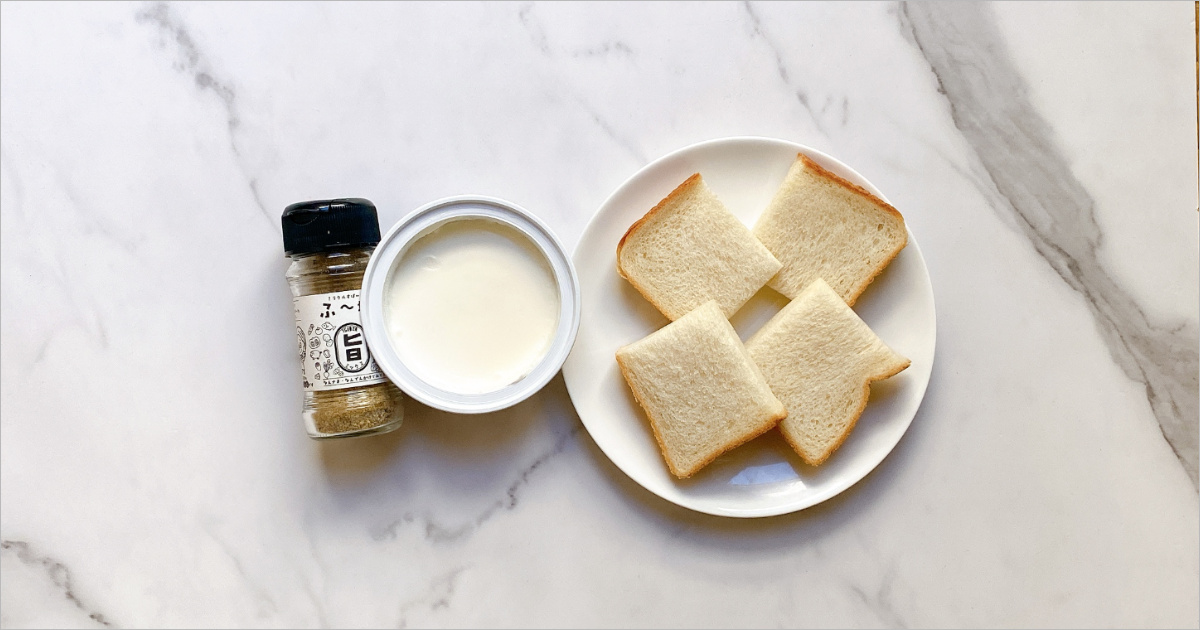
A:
[357,409]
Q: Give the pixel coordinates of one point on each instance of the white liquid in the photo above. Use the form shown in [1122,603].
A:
[471,306]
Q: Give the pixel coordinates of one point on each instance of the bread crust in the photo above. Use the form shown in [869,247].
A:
[687,183]
[863,192]
[862,405]
[653,426]
[768,424]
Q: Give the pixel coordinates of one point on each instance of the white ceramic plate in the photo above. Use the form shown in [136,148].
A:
[763,477]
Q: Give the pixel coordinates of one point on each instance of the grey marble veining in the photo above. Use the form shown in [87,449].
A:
[193,62]
[437,596]
[880,600]
[1033,183]
[819,115]
[532,24]
[58,573]
[155,471]
[266,604]
[437,531]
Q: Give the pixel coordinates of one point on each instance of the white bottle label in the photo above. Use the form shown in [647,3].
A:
[333,348]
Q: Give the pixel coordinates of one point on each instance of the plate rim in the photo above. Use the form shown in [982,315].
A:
[784,508]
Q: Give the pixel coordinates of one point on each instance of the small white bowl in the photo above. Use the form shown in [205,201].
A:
[419,223]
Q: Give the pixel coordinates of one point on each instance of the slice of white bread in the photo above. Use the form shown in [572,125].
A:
[690,249]
[698,386]
[822,226]
[820,359]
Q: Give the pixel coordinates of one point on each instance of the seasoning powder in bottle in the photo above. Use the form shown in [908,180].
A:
[345,393]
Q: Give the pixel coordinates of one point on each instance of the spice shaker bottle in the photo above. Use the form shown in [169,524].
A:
[345,393]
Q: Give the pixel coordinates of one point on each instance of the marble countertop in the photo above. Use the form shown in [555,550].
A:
[154,470]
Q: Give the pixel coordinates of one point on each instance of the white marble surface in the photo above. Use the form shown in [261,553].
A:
[153,467]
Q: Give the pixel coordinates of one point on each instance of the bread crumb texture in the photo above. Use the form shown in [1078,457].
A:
[821,226]
[699,388]
[819,358]
[690,249]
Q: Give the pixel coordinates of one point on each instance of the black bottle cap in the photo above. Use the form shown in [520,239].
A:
[325,224]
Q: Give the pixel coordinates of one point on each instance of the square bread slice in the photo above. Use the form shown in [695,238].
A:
[690,249]
[698,386]
[822,226]
[820,359]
